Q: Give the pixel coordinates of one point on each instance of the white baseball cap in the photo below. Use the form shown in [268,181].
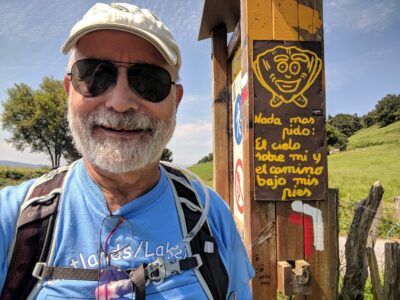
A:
[128,18]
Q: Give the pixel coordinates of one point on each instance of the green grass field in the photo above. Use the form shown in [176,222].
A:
[204,171]
[13,176]
[373,154]
[354,172]
[373,136]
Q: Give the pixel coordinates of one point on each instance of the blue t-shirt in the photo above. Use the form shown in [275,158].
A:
[156,233]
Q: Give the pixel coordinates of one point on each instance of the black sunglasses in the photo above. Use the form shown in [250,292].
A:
[92,77]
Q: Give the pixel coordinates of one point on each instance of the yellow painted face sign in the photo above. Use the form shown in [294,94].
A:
[287,72]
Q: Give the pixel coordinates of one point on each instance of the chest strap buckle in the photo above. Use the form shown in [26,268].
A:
[161,269]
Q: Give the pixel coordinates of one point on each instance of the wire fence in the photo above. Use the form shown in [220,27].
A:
[385,218]
[390,235]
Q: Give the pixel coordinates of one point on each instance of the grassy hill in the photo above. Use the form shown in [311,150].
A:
[375,136]
[15,175]
[373,154]
[204,171]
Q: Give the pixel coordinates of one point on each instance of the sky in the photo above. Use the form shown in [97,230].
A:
[362,46]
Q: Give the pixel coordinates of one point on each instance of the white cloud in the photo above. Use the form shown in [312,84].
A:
[360,16]
[194,108]
[191,142]
[182,17]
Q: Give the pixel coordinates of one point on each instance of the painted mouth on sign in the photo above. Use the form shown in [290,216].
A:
[288,86]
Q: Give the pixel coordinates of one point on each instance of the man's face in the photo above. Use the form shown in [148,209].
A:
[119,131]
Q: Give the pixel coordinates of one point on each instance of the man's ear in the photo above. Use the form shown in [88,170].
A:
[179,94]
[67,83]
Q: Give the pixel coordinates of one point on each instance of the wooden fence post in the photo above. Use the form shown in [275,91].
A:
[397,206]
[391,288]
[356,261]
[220,112]
[372,262]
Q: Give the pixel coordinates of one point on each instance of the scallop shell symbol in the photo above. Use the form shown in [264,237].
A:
[287,73]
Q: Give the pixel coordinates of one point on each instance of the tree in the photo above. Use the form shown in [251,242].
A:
[388,110]
[206,158]
[38,119]
[70,153]
[345,123]
[335,138]
[369,119]
[166,155]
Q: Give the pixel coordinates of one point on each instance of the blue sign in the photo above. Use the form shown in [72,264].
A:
[237,122]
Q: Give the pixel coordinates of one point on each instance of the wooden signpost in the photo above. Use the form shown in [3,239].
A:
[270,141]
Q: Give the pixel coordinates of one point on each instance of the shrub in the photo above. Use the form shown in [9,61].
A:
[345,123]
[206,158]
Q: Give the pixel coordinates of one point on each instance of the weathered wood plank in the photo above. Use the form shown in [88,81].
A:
[391,287]
[310,20]
[285,20]
[371,257]
[259,19]
[397,206]
[220,97]
[324,261]
[294,278]
[374,271]
[289,228]
[356,261]
[263,250]
[234,42]
[374,230]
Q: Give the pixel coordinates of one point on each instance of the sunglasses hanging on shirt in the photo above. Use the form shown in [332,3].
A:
[93,77]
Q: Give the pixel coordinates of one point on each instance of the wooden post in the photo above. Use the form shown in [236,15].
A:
[397,206]
[356,261]
[294,279]
[220,112]
[285,230]
[291,216]
[391,288]
[374,272]
[370,252]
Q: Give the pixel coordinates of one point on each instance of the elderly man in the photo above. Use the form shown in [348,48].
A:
[118,223]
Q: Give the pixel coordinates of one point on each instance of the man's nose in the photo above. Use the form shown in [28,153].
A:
[121,98]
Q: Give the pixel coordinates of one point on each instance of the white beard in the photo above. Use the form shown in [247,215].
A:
[120,155]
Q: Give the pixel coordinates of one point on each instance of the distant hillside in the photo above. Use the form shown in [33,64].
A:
[8,163]
[373,154]
[374,136]
[204,171]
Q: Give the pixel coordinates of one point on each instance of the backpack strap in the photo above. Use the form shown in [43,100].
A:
[34,234]
[38,213]
[212,275]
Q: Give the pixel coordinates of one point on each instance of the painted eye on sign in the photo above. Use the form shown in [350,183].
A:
[238,117]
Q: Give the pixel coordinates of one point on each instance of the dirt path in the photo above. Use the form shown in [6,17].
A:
[379,252]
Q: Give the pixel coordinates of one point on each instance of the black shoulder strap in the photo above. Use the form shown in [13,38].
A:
[213,269]
[36,224]
[34,235]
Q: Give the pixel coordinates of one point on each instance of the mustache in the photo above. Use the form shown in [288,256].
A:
[128,120]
